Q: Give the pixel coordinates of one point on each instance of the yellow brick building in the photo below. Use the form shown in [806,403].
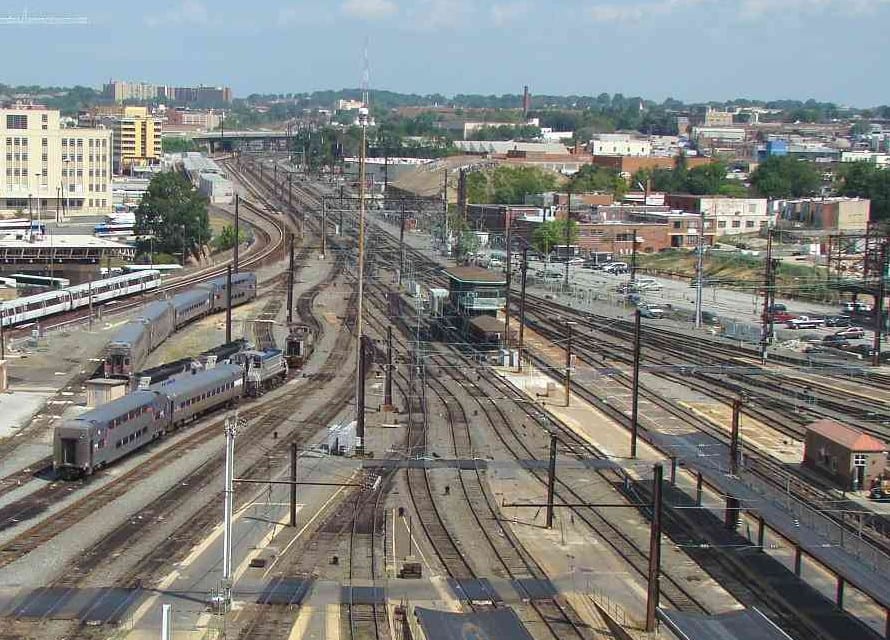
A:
[137,139]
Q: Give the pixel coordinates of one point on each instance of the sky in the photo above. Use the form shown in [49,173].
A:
[692,50]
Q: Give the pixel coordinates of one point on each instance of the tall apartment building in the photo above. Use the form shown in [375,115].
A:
[120,91]
[200,95]
[46,168]
[207,120]
[137,139]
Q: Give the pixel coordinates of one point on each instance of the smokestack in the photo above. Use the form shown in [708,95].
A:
[526,102]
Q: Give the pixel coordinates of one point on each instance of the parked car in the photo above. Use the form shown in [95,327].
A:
[855,307]
[648,284]
[853,333]
[837,321]
[710,318]
[836,341]
[615,268]
[783,316]
[864,350]
[651,311]
[777,307]
[804,322]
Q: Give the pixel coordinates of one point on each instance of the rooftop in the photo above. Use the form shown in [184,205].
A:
[749,624]
[488,324]
[10,241]
[475,275]
[848,437]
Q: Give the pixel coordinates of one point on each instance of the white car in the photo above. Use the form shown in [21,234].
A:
[651,311]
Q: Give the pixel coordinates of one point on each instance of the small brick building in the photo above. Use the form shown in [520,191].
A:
[850,457]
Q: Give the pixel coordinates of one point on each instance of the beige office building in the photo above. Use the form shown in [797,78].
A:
[137,139]
[49,170]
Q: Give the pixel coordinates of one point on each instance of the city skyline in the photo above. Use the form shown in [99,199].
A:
[692,50]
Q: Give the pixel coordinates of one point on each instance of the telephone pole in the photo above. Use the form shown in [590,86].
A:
[633,258]
[699,270]
[237,234]
[568,375]
[568,232]
[228,496]
[634,410]
[228,303]
[551,481]
[509,282]
[524,275]
[769,293]
[654,589]
[879,305]
[359,343]
[290,281]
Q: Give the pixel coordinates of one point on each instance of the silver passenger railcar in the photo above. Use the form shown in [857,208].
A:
[243,290]
[190,305]
[192,395]
[104,434]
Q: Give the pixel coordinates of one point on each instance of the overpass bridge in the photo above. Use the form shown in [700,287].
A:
[244,140]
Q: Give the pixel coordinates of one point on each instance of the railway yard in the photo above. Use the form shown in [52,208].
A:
[594,475]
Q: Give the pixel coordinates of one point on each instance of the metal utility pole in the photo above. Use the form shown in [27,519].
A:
[324,224]
[236,248]
[360,394]
[551,481]
[359,356]
[90,302]
[699,270]
[568,376]
[734,437]
[167,622]
[290,190]
[228,303]
[402,242]
[228,496]
[654,549]
[633,258]
[509,282]
[293,486]
[3,333]
[568,234]
[879,305]
[768,293]
[387,381]
[635,397]
[524,274]
[290,281]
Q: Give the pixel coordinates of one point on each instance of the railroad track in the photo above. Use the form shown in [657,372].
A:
[615,401]
[555,615]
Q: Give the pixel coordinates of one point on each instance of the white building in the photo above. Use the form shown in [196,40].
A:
[619,144]
[879,159]
[47,168]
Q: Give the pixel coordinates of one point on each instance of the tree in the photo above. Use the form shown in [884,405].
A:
[593,178]
[508,185]
[553,232]
[226,238]
[865,180]
[174,214]
[177,144]
[786,177]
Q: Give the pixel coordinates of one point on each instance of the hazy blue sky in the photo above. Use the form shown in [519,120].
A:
[689,49]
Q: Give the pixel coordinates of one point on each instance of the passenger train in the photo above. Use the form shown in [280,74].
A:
[42,305]
[97,438]
[128,350]
[107,433]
